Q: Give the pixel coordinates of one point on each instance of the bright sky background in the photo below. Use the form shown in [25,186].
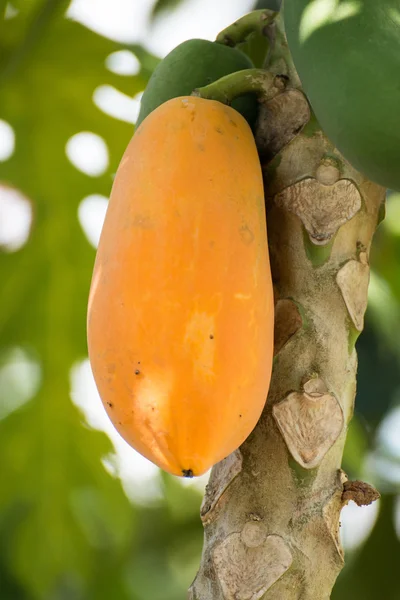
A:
[128,21]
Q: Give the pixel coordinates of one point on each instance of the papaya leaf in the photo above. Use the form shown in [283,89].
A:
[59,508]
[23,31]
[163,6]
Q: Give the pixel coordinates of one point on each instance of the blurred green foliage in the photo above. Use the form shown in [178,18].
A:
[67,528]
[372,572]
[164,6]
[270,4]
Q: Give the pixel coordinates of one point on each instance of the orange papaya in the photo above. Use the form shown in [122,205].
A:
[180,317]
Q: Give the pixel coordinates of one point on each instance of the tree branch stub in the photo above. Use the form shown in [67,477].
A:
[360,492]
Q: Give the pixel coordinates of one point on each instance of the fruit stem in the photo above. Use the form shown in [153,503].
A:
[254,81]
[239,31]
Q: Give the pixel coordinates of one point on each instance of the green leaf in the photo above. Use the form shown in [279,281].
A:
[163,6]
[60,509]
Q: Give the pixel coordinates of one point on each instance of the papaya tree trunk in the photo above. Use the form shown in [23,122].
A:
[271,509]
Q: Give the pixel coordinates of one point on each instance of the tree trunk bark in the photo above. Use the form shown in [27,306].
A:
[271,509]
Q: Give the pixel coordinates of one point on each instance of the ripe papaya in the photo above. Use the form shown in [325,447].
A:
[194,64]
[180,317]
[348,59]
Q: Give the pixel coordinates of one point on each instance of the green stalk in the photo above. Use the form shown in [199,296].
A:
[254,22]
[254,81]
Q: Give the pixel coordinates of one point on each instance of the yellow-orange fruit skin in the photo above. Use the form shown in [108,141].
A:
[180,321]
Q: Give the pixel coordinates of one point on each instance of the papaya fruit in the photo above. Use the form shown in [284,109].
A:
[194,64]
[348,61]
[180,316]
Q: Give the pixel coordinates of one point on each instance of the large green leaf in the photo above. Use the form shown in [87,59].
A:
[60,510]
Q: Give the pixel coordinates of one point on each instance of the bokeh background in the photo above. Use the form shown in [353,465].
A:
[82,515]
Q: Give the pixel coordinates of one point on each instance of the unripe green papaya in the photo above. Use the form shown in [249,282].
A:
[194,64]
[347,55]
